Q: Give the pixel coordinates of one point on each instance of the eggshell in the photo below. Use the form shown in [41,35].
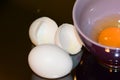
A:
[50,61]
[42,31]
[67,38]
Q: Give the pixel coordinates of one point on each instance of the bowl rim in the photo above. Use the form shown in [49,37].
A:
[76,4]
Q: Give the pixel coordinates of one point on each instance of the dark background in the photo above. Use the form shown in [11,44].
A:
[15,19]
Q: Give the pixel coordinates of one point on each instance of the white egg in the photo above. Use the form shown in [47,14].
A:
[42,31]
[67,38]
[50,61]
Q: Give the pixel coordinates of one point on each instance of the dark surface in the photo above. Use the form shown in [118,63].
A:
[90,69]
[15,19]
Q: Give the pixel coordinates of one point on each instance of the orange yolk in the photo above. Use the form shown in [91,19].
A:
[110,37]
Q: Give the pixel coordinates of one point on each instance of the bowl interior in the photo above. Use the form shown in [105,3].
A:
[87,12]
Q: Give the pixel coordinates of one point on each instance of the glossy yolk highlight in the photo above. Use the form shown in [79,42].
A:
[110,37]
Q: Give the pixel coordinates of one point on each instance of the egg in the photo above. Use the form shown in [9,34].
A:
[50,61]
[42,31]
[67,38]
[110,37]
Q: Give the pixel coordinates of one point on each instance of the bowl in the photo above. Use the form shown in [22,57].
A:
[85,15]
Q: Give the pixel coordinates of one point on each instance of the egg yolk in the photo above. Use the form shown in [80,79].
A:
[110,37]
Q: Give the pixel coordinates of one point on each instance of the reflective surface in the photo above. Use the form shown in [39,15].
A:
[90,69]
[15,19]
[68,77]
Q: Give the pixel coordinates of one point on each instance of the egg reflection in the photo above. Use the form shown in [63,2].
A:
[76,58]
[68,77]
